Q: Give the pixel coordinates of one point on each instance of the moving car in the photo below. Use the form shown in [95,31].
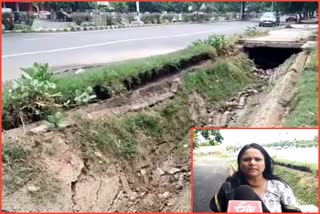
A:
[269,19]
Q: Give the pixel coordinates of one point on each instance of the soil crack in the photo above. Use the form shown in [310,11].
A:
[74,183]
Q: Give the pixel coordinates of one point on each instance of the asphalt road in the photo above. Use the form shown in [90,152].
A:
[73,49]
[209,174]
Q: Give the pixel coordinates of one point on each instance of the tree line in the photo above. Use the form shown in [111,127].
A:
[304,9]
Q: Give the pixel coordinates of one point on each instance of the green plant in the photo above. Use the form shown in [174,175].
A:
[251,31]
[31,97]
[219,42]
[7,21]
[57,120]
[87,24]
[85,96]
[151,18]
[79,18]
[24,28]
[148,123]
[167,17]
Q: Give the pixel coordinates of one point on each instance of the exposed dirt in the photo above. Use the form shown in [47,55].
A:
[150,182]
[156,180]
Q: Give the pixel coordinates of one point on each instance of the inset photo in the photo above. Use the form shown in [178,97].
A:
[255,170]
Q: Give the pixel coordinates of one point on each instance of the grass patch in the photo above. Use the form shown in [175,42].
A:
[221,81]
[305,107]
[19,168]
[303,185]
[115,75]
[171,123]
[16,168]
[305,167]
[107,136]
[144,122]
[39,96]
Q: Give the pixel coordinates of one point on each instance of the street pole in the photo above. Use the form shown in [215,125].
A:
[138,10]
[272,7]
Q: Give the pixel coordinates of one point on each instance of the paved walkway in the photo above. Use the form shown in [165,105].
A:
[292,37]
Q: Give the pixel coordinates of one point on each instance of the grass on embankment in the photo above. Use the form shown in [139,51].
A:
[305,167]
[123,135]
[305,106]
[216,83]
[117,77]
[304,185]
[131,73]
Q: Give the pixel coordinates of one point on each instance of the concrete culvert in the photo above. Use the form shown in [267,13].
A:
[268,57]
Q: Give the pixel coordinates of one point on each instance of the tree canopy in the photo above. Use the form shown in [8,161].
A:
[213,136]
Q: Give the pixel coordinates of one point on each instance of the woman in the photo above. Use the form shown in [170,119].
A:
[255,180]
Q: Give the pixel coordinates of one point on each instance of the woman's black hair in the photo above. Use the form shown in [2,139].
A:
[238,178]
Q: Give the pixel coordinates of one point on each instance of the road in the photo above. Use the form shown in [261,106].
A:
[73,49]
[209,174]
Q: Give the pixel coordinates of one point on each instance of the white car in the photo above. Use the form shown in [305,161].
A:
[269,19]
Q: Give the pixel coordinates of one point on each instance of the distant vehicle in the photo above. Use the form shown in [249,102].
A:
[292,18]
[44,14]
[269,19]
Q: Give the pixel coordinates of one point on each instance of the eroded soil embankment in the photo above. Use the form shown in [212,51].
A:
[51,170]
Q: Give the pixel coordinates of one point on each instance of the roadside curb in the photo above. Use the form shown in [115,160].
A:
[78,28]
[97,28]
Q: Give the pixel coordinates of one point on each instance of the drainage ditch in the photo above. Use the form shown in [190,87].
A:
[270,58]
[158,175]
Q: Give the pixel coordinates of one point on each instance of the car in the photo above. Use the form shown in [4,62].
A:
[269,19]
[292,18]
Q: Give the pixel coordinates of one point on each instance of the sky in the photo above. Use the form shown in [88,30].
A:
[264,136]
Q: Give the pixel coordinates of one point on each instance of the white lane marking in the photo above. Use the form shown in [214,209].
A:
[108,43]
[38,38]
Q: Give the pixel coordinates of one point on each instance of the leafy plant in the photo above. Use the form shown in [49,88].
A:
[57,120]
[213,136]
[7,21]
[79,18]
[251,31]
[84,97]
[219,42]
[30,97]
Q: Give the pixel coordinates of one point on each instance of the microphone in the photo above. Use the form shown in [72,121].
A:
[245,201]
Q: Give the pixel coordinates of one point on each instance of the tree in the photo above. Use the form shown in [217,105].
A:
[303,9]
[119,7]
[213,136]
[74,6]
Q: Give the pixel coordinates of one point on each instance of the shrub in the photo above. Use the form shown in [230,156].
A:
[118,18]
[151,18]
[24,28]
[186,17]
[87,24]
[167,17]
[219,42]
[251,31]
[31,97]
[83,97]
[79,18]
[57,120]
[129,17]
[27,18]
[7,21]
